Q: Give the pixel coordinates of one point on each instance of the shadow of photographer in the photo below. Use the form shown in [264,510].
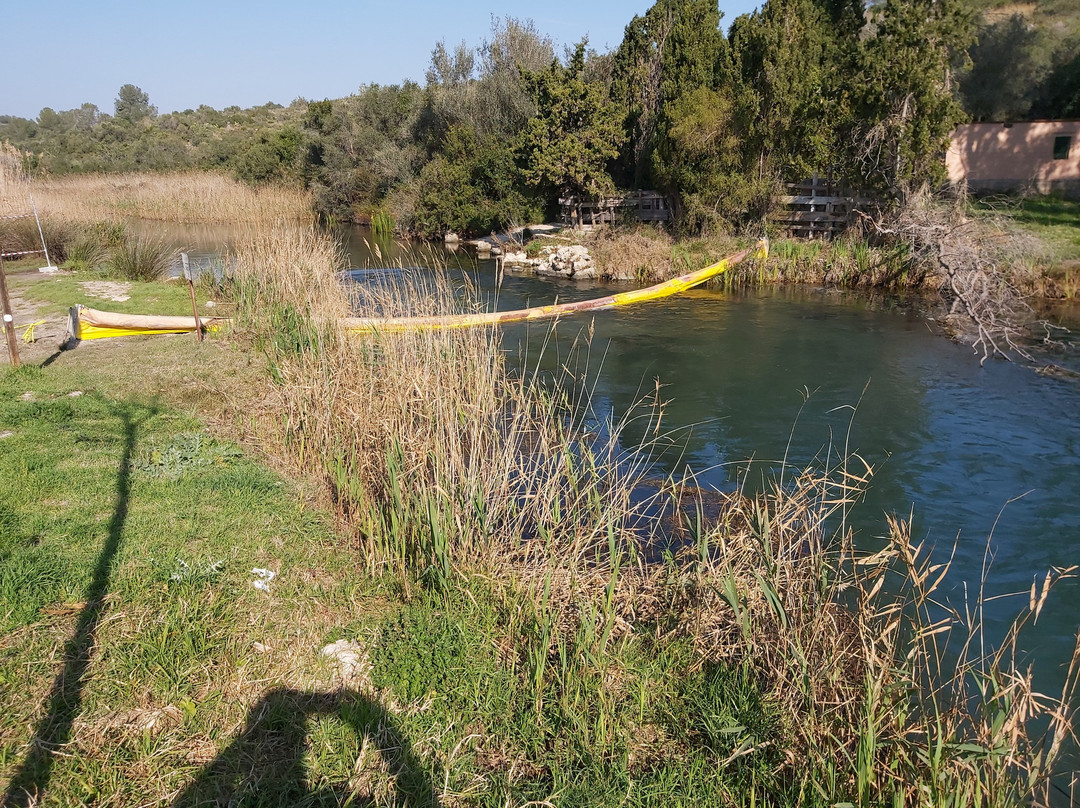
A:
[265,767]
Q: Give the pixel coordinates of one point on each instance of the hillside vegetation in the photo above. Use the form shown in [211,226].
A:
[716,121]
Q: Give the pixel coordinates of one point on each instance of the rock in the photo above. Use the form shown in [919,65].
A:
[451,237]
[573,261]
[352,660]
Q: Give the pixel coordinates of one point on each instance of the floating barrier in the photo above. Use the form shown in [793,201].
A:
[86,323]
[660,290]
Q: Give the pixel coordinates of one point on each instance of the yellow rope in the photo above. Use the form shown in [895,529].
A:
[28,334]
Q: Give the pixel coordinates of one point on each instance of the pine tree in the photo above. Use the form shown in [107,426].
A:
[905,104]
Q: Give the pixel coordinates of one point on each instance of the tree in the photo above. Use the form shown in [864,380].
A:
[904,99]
[515,48]
[1008,63]
[576,131]
[49,119]
[1059,96]
[133,105]
[85,117]
[671,51]
[787,60]
[704,161]
[272,157]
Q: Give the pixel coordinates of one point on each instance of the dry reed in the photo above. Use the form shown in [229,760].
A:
[183,197]
[444,466]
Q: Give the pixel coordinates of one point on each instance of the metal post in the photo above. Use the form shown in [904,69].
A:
[44,246]
[191,288]
[9,317]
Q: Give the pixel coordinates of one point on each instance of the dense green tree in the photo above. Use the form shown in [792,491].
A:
[359,148]
[471,187]
[1059,95]
[705,161]
[273,156]
[672,50]
[49,120]
[788,55]
[903,91]
[133,105]
[1010,59]
[565,148]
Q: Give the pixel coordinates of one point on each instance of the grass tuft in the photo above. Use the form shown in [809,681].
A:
[140,259]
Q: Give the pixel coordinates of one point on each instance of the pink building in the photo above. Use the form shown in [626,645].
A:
[1042,155]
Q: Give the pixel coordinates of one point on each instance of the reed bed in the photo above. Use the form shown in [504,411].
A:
[457,476]
[14,182]
[183,197]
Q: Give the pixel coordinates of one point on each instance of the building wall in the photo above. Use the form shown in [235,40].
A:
[1004,156]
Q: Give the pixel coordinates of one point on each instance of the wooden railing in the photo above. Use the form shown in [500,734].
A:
[817,208]
[643,206]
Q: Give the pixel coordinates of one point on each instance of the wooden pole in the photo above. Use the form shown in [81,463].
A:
[9,318]
[191,288]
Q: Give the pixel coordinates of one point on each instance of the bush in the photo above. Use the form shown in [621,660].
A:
[140,259]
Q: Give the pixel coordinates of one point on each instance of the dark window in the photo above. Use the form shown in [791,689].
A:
[1062,143]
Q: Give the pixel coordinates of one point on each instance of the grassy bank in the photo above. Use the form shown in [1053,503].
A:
[1056,225]
[785,672]
[726,673]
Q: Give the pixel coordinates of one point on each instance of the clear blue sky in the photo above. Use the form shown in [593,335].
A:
[62,53]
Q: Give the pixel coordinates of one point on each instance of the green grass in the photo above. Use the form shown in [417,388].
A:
[129,529]
[1055,221]
[56,294]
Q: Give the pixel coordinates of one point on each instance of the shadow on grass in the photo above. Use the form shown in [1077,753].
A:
[264,766]
[65,698]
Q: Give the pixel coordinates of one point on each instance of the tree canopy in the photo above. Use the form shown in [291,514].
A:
[715,121]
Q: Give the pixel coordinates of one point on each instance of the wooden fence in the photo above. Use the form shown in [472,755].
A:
[642,206]
[817,208]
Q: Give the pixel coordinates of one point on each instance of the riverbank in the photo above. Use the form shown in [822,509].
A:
[1031,241]
[378,666]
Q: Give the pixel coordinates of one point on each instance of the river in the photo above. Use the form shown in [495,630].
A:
[986,457]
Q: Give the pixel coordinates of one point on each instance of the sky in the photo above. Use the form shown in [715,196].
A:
[63,53]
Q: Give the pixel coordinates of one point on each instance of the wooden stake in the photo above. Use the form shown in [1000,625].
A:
[191,288]
[9,318]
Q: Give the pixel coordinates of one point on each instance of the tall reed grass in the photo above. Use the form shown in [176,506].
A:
[447,469]
[185,197]
[14,182]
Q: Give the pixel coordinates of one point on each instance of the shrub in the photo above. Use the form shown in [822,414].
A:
[140,259]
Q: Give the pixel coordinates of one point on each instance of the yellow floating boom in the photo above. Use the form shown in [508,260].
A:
[660,290]
[89,323]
